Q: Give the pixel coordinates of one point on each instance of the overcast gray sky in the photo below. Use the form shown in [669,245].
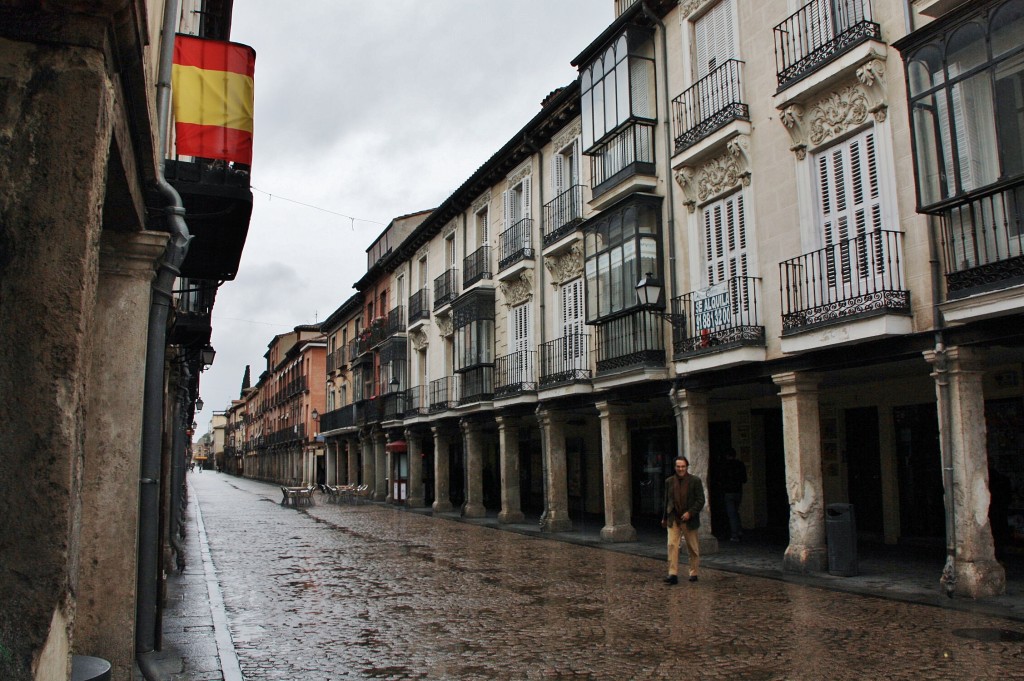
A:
[372,110]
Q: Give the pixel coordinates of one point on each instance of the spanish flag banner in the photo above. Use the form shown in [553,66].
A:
[213,98]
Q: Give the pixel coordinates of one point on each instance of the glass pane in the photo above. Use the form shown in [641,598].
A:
[616,279]
[1010,115]
[966,49]
[648,255]
[628,223]
[924,69]
[611,116]
[974,125]
[1007,27]
[622,85]
[603,283]
[598,93]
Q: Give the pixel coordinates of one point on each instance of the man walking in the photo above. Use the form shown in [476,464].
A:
[684,500]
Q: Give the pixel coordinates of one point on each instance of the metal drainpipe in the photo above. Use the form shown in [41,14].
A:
[540,202]
[668,156]
[148,578]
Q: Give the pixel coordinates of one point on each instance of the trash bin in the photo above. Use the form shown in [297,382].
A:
[841,535]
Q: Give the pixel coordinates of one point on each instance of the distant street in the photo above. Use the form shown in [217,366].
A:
[375,592]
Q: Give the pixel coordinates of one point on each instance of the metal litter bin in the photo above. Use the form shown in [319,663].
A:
[841,535]
[86,668]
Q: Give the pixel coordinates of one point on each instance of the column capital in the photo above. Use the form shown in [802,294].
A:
[683,398]
[956,358]
[792,382]
[131,253]
[547,416]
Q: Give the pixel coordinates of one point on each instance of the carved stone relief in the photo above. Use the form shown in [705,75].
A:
[566,266]
[518,175]
[688,7]
[836,113]
[519,290]
[480,203]
[716,175]
[418,338]
[422,252]
[567,135]
[449,229]
[444,324]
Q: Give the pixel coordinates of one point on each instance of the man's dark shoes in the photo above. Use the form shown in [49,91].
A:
[693,578]
[671,579]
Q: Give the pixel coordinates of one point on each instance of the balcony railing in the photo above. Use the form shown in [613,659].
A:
[515,373]
[442,394]
[712,102]
[632,340]
[477,266]
[345,417]
[395,322]
[419,305]
[565,360]
[983,242]
[476,384]
[394,405]
[562,214]
[515,244]
[628,153]
[416,401]
[819,32]
[446,288]
[337,360]
[858,277]
[719,317]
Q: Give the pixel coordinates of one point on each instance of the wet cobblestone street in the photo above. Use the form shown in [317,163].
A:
[375,592]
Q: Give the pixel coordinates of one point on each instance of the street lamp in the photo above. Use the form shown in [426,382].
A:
[648,294]
[199,404]
[315,415]
[207,354]
[394,384]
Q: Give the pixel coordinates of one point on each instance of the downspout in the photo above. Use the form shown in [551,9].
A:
[540,202]
[672,290]
[153,403]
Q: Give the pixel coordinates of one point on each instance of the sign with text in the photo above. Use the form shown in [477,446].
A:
[711,307]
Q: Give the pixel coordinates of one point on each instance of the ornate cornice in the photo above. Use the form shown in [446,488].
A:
[449,229]
[716,175]
[524,171]
[519,290]
[688,7]
[422,252]
[483,201]
[565,266]
[567,135]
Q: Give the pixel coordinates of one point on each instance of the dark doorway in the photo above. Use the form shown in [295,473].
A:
[919,466]
[653,453]
[428,471]
[776,496]
[456,474]
[864,468]
[719,440]
[531,473]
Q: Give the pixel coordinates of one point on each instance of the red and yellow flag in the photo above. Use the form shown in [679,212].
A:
[213,98]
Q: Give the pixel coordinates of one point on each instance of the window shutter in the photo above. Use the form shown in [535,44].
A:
[526,198]
[716,41]
[558,173]
[506,212]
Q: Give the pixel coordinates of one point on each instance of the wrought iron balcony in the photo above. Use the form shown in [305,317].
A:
[193,307]
[395,322]
[857,277]
[562,214]
[717,318]
[819,32]
[476,384]
[337,360]
[419,305]
[394,405]
[446,288]
[516,243]
[983,242]
[630,340]
[709,104]
[416,401]
[442,394]
[565,360]
[344,417]
[515,373]
[629,153]
[477,266]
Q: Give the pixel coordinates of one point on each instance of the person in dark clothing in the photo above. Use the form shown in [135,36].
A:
[734,476]
[684,500]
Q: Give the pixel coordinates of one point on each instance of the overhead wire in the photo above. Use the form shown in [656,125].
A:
[352,220]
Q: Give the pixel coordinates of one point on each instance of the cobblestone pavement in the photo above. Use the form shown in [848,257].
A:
[375,592]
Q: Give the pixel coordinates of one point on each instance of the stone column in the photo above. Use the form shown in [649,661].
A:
[472,437]
[105,618]
[380,488]
[508,445]
[331,460]
[802,438]
[691,411]
[352,447]
[415,445]
[556,489]
[389,464]
[442,476]
[615,460]
[367,459]
[962,437]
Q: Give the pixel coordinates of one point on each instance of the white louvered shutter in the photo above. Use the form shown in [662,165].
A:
[572,323]
[715,38]
[526,214]
[558,174]
[725,246]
